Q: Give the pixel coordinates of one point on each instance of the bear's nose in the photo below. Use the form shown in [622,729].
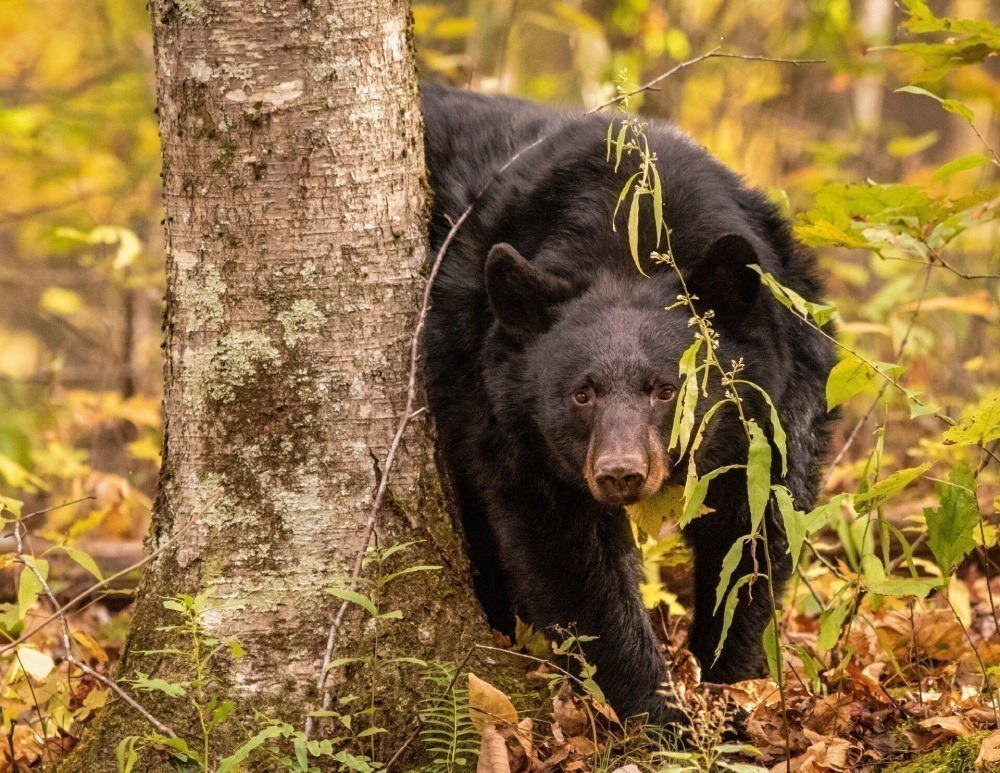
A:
[621,479]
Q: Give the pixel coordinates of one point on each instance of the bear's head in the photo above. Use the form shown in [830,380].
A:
[596,368]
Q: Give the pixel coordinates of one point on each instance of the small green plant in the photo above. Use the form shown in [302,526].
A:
[447,731]
[197,689]
[352,749]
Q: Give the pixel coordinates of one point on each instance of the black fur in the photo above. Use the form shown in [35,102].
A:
[576,311]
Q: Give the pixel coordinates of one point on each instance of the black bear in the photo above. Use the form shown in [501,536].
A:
[551,367]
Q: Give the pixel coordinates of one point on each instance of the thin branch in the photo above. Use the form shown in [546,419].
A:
[68,646]
[55,507]
[111,684]
[937,260]
[60,610]
[715,53]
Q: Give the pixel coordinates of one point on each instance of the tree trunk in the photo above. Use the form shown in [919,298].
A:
[294,193]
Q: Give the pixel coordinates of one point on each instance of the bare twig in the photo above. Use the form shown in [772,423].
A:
[714,53]
[411,390]
[68,647]
[61,610]
[937,260]
[54,508]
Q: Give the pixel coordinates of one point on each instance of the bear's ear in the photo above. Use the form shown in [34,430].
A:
[723,279]
[520,294]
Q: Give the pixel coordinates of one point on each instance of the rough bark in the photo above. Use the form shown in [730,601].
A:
[295,220]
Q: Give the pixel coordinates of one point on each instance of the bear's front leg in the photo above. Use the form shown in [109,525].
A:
[710,537]
[584,578]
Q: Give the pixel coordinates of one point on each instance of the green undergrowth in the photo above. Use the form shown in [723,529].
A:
[957,757]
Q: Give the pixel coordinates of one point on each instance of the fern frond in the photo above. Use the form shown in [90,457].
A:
[448,734]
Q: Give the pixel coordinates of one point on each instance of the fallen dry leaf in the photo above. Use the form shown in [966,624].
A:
[488,705]
[989,752]
[492,751]
[956,726]
[568,711]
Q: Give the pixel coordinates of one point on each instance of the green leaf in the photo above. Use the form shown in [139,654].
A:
[657,203]
[410,661]
[409,570]
[872,569]
[236,650]
[971,161]
[830,622]
[882,491]
[918,90]
[848,378]
[144,683]
[633,231]
[820,313]
[221,713]
[355,598]
[772,651]
[951,105]
[228,765]
[393,549]
[11,505]
[729,564]
[727,614]
[128,755]
[777,431]
[619,145]
[621,198]
[178,745]
[799,525]
[981,427]
[692,507]
[900,588]
[951,527]
[758,475]
[683,426]
[301,753]
[30,586]
[84,560]
[338,662]
[956,107]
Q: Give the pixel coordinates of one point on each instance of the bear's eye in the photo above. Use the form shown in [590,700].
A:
[665,393]
[582,397]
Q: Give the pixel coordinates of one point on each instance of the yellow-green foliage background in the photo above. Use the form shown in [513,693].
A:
[79,326]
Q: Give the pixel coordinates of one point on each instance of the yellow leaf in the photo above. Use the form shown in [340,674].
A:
[958,595]
[488,705]
[36,664]
[60,301]
[977,304]
[91,645]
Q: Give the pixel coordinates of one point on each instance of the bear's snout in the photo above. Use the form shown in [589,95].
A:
[620,479]
[625,460]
